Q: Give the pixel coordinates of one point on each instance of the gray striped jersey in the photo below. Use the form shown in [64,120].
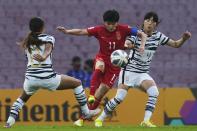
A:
[40,70]
[140,63]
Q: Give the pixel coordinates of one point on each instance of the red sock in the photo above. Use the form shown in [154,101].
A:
[94,105]
[95,81]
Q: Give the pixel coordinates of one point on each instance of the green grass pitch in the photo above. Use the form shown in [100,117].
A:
[91,128]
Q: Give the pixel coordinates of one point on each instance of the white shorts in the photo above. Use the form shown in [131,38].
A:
[32,85]
[132,79]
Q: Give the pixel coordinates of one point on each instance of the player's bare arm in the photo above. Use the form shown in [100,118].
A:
[143,37]
[129,45]
[72,31]
[47,52]
[178,43]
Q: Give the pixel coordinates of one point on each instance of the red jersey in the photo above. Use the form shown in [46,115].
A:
[110,41]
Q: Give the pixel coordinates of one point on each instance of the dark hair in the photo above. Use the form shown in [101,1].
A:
[89,62]
[152,15]
[35,25]
[89,65]
[111,16]
[76,59]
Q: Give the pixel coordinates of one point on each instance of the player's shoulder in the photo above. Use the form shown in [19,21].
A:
[123,26]
[157,34]
[46,38]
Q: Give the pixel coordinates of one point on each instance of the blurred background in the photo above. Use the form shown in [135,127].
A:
[170,67]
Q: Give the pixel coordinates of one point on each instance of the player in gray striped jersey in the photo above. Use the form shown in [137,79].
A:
[135,74]
[140,63]
[40,74]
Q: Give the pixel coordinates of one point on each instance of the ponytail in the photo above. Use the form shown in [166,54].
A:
[36,26]
[31,39]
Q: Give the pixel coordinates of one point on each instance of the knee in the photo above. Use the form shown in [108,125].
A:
[120,95]
[153,91]
[157,92]
[100,65]
[101,68]
[78,82]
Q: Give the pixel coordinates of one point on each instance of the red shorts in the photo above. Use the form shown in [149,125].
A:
[111,72]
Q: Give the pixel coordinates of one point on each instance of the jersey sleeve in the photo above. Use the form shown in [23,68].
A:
[127,28]
[93,31]
[69,73]
[163,39]
[132,39]
[131,30]
[134,31]
[50,40]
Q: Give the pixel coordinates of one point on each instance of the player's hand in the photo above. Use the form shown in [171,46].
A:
[38,57]
[186,35]
[129,45]
[62,29]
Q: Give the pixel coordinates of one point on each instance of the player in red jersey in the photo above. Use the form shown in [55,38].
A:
[111,36]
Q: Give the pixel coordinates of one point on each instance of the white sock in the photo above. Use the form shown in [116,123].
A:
[113,103]
[102,116]
[121,94]
[152,99]
[153,91]
[11,120]
[16,107]
[14,111]
[81,98]
[147,115]
[85,109]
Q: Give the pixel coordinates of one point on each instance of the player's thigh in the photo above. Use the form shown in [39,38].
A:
[109,77]
[101,91]
[146,84]
[127,78]
[123,86]
[31,86]
[99,64]
[68,82]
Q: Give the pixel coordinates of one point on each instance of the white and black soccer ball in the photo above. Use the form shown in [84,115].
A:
[119,58]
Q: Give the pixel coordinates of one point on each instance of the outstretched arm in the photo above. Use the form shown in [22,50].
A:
[72,31]
[178,43]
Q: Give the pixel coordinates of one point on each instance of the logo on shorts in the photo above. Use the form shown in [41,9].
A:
[118,36]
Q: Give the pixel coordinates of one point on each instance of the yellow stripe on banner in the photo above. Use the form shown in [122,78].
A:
[60,107]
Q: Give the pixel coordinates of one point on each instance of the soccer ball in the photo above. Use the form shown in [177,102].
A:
[119,58]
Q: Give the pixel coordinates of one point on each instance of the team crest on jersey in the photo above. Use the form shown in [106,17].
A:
[118,36]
